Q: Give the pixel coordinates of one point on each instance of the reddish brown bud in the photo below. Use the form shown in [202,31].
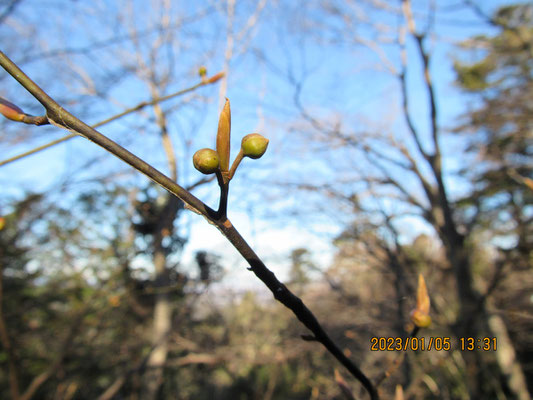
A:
[420,315]
[215,77]
[11,111]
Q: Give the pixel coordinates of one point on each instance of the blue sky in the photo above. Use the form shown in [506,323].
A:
[341,81]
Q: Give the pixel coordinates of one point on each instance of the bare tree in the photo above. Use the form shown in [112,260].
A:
[409,172]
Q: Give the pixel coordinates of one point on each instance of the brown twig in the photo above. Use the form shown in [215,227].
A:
[60,117]
[42,120]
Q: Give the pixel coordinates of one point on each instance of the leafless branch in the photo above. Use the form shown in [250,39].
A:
[419,39]
[9,9]
[61,118]
[133,109]
[405,97]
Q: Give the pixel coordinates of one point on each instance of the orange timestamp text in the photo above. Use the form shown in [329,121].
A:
[432,343]
[410,343]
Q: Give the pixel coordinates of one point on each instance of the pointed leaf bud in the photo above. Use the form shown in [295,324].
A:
[420,315]
[11,111]
[223,136]
[215,77]
[254,145]
[206,161]
[398,393]
[422,297]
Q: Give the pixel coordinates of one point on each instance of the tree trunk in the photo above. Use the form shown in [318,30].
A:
[470,318]
[162,323]
[153,377]
[506,358]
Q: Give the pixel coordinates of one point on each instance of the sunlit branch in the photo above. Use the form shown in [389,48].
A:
[130,110]
[402,76]
[428,188]
[393,161]
[389,180]
[440,196]
[419,39]
[63,119]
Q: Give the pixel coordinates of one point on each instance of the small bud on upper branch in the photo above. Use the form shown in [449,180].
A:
[202,71]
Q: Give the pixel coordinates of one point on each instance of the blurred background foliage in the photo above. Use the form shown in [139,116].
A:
[104,293]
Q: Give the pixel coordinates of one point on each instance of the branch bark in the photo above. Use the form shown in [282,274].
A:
[63,119]
[115,117]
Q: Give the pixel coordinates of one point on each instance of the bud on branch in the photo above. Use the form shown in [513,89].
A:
[206,161]
[420,315]
[11,111]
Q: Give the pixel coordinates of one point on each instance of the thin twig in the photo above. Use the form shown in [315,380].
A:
[63,119]
[130,110]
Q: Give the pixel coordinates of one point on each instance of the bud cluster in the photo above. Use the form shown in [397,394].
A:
[209,161]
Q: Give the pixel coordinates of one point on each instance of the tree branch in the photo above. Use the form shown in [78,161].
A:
[60,117]
[406,7]
[440,199]
[133,109]
[419,39]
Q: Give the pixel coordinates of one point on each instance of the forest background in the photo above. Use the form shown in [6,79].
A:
[400,144]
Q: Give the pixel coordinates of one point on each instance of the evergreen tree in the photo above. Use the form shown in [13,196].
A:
[500,126]
[499,129]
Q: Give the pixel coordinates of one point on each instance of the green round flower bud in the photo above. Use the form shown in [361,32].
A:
[254,145]
[206,161]
[202,71]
